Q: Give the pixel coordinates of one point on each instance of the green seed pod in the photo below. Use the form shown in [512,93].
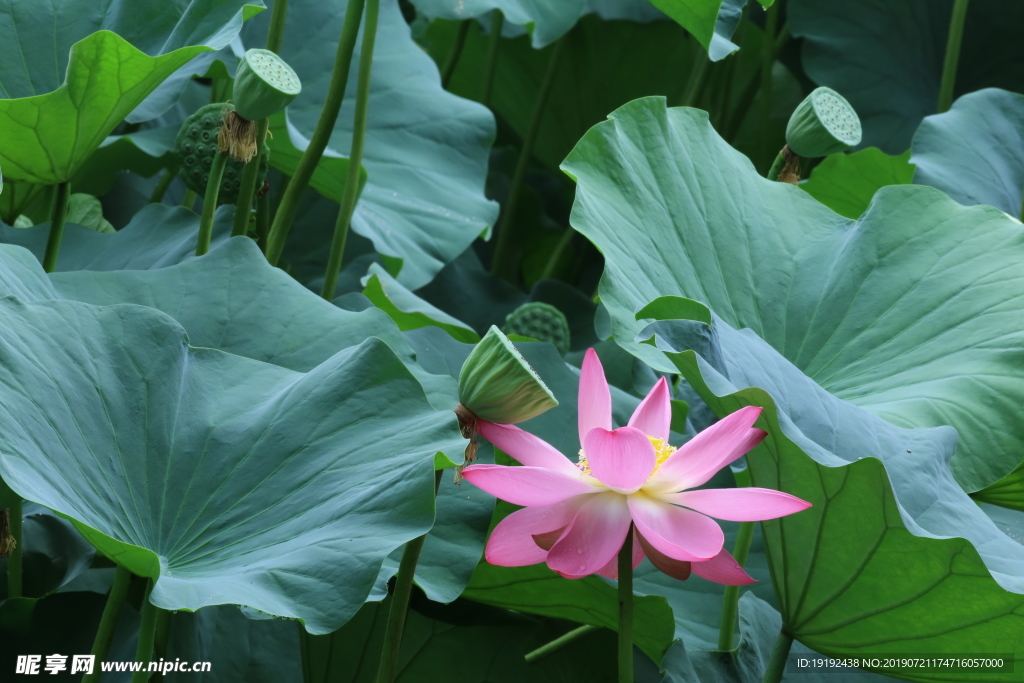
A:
[196,146]
[823,124]
[264,85]
[540,321]
[496,383]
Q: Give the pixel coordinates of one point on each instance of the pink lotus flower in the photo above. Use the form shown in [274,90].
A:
[577,515]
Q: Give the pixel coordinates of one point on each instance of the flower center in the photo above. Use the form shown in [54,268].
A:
[662,451]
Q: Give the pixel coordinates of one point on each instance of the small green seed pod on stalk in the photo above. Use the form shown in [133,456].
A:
[540,321]
[824,123]
[496,384]
[264,85]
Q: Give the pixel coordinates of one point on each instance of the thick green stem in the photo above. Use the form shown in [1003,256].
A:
[350,193]
[250,176]
[453,57]
[504,264]
[730,602]
[777,664]
[698,77]
[161,187]
[400,602]
[263,211]
[560,642]
[491,65]
[108,622]
[189,200]
[626,609]
[162,638]
[767,61]
[307,668]
[289,205]
[777,166]
[738,114]
[210,204]
[147,633]
[275,34]
[556,255]
[57,218]
[15,518]
[952,61]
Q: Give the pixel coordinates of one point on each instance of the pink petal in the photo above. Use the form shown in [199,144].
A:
[621,459]
[723,568]
[593,538]
[653,416]
[526,485]
[677,569]
[611,570]
[527,448]
[595,398]
[677,532]
[740,504]
[711,450]
[512,544]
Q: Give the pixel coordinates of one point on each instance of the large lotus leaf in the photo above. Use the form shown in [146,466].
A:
[83,66]
[676,211]
[893,557]
[426,150]
[712,22]
[224,479]
[547,20]
[408,310]
[603,65]
[886,57]
[846,183]
[157,237]
[1007,492]
[975,151]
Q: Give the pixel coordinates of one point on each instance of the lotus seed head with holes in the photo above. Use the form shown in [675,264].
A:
[196,146]
[496,383]
[823,124]
[540,321]
[264,85]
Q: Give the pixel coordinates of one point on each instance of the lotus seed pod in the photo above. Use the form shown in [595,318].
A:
[823,124]
[196,146]
[496,383]
[540,321]
[264,85]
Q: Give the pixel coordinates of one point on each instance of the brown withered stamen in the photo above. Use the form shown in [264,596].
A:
[469,424]
[7,542]
[237,137]
[790,172]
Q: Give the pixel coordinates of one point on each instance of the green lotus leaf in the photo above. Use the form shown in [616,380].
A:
[846,183]
[886,57]
[409,311]
[712,22]
[426,150]
[84,66]
[833,299]
[975,151]
[286,147]
[317,477]
[157,236]
[842,300]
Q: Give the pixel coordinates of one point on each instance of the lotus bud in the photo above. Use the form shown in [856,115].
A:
[496,383]
[540,321]
[196,147]
[264,85]
[824,123]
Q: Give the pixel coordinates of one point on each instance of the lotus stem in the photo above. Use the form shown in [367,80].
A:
[777,664]
[147,633]
[210,204]
[504,265]
[626,609]
[289,205]
[952,61]
[275,34]
[556,255]
[453,57]
[57,218]
[741,549]
[560,642]
[161,639]
[189,200]
[698,76]
[786,167]
[14,518]
[767,60]
[400,602]
[350,194]
[263,211]
[161,187]
[738,114]
[250,176]
[108,622]
[491,66]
